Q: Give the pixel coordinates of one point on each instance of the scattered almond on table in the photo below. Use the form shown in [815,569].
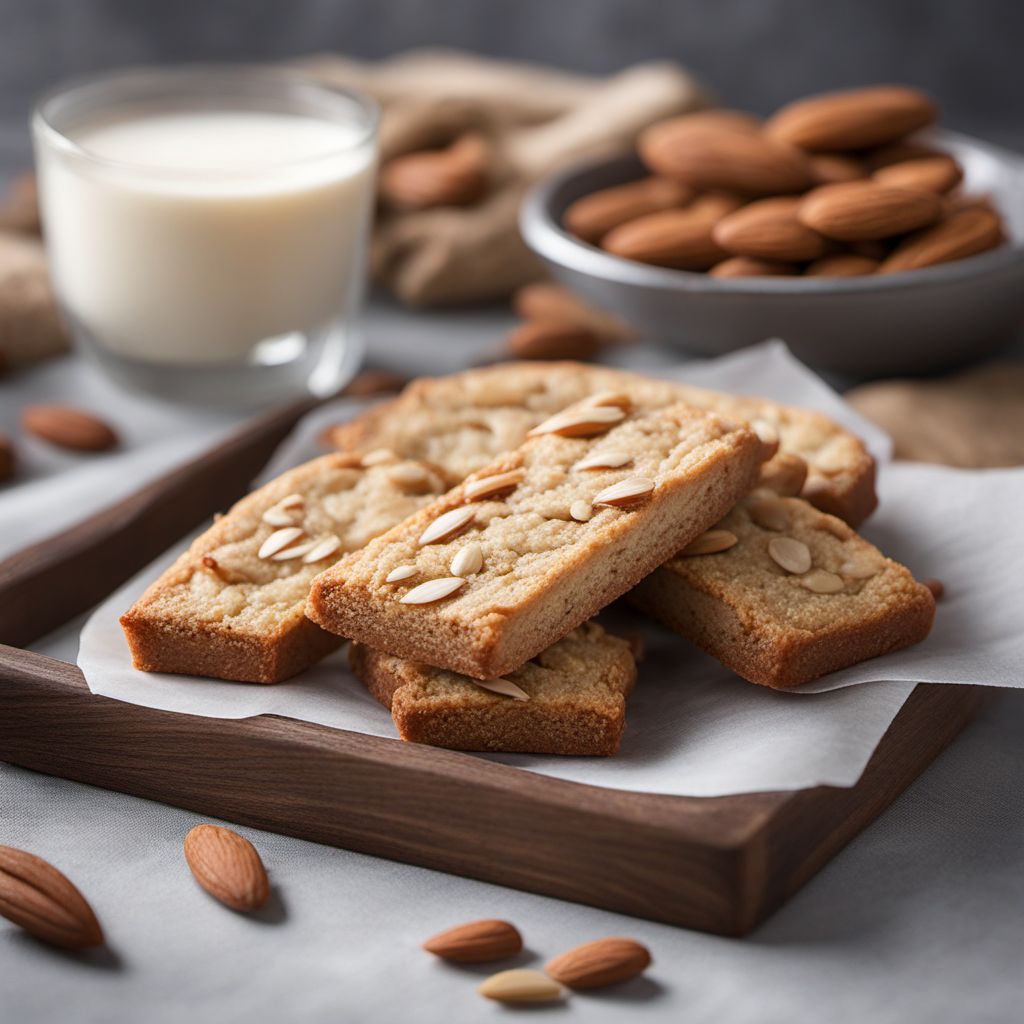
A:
[600,963]
[38,898]
[560,325]
[476,942]
[227,866]
[800,194]
[67,427]
[592,965]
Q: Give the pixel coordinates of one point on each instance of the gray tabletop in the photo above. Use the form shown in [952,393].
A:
[919,919]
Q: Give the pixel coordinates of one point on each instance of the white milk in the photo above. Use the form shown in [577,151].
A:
[196,235]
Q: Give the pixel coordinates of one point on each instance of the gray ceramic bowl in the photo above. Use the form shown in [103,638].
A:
[912,323]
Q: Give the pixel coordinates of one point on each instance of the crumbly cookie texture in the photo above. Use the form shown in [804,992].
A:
[231,607]
[462,422]
[525,550]
[571,698]
[782,593]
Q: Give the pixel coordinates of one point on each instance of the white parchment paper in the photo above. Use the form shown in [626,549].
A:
[695,728]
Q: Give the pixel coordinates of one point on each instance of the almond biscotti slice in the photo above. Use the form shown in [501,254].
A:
[464,421]
[511,560]
[570,699]
[231,607]
[782,593]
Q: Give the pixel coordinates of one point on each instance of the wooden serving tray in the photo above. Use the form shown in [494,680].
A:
[719,865]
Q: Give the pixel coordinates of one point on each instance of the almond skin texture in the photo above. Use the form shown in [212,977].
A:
[35,896]
[930,174]
[597,964]
[830,168]
[456,176]
[842,264]
[593,216]
[964,233]
[734,161]
[863,210]
[854,119]
[769,230]
[672,238]
[227,866]
[7,458]
[476,942]
[747,266]
[69,428]
[552,339]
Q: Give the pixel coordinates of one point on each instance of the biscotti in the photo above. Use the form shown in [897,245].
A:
[782,593]
[525,550]
[464,421]
[231,607]
[570,699]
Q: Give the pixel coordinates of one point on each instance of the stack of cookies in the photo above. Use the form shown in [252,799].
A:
[468,532]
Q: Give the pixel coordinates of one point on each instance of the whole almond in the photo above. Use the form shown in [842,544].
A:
[546,301]
[852,119]
[552,339]
[963,233]
[521,986]
[735,161]
[830,168]
[227,866]
[930,173]
[748,266]
[593,216]
[859,210]
[842,264]
[67,427]
[456,176]
[37,897]
[8,459]
[476,942]
[672,238]
[768,229]
[597,964]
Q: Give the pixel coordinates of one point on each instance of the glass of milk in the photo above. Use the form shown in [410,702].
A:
[207,227]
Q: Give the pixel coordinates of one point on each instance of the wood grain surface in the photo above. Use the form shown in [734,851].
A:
[719,865]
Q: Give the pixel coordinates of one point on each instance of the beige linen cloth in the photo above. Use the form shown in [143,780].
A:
[536,120]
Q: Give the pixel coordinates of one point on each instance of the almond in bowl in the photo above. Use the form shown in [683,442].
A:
[821,173]
[835,225]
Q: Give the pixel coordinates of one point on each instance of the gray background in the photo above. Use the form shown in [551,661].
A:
[755,54]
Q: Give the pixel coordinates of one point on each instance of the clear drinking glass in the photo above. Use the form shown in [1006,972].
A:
[207,227]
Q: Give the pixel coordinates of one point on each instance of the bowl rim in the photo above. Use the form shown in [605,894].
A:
[543,233]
